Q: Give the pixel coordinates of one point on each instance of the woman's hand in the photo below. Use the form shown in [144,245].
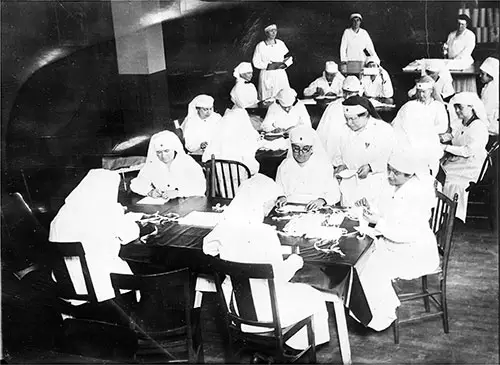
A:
[338,169]
[280,202]
[363,171]
[155,193]
[370,216]
[170,194]
[445,137]
[363,202]
[316,204]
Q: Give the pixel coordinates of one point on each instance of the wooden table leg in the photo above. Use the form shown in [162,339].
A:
[342,334]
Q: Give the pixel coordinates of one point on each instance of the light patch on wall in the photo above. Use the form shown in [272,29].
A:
[134,141]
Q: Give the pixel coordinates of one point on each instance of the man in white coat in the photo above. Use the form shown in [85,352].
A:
[356,42]
[329,84]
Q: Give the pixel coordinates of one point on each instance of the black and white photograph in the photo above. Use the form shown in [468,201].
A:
[249,182]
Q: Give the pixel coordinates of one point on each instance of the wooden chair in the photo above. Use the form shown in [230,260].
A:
[224,177]
[441,222]
[162,316]
[482,192]
[271,341]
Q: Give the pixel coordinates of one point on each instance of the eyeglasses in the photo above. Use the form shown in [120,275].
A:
[298,149]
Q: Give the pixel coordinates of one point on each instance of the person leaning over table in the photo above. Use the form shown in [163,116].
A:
[200,123]
[306,175]
[363,148]
[285,113]
[269,57]
[467,152]
[245,92]
[332,121]
[169,172]
[376,81]
[407,248]
[241,236]
[443,81]
[235,138]
[356,43]
[461,42]
[329,84]
[91,215]
[489,93]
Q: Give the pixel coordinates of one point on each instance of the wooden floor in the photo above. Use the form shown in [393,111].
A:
[473,311]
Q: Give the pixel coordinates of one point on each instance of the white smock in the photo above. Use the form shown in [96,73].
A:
[270,81]
[380,87]
[242,237]
[183,174]
[328,87]
[311,181]
[276,117]
[407,250]
[469,149]
[332,123]
[354,43]
[91,215]
[489,94]
[460,47]
[197,130]
[372,145]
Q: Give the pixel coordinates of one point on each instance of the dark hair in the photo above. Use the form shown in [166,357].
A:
[364,102]
[464,17]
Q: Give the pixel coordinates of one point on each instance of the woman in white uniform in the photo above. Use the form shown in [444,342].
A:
[363,150]
[356,41]
[443,86]
[306,175]
[269,57]
[376,81]
[199,124]
[467,152]
[407,248]
[285,113]
[169,172]
[489,93]
[242,237]
[461,42]
[91,215]
[329,84]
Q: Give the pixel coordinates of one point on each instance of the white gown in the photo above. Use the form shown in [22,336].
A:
[276,117]
[321,82]
[352,45]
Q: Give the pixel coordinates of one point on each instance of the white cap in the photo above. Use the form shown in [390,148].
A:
[331,67]
[302,134]
[270,26]
[351,83]
[371,71]
[286,96]
[490,66]
[355,15]
[354,109]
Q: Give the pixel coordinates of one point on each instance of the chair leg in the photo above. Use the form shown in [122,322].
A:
[444,305]
[395,327]
[342,333]
[312,342]
[425,290]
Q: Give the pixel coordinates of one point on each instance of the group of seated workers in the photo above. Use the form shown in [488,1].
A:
[353,159]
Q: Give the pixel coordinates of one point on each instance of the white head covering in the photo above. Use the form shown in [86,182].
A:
[331,67]
[160,141]
[472,99]
[404,161]
[351,83]
[286,96]
[490,66]
[355,15]
[306,135]
[242,68]
[354,109]
[200,101]
[98,187]
[425,83]
[373,59]
[269,27]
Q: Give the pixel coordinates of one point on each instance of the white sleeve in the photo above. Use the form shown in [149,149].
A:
[470,44]
[343,47]
[258,59]
[475,139]
[331,192]
[382,150]
[311,89]
[142,184]
[387,90]
[191,136]
[269,119]
[193,180]
[441,119]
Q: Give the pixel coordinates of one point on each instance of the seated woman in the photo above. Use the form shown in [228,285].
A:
[407,248]
[200,123]
[235,138]
[489,92]
[443,81]
[91,215]
[169,172]
[465,156]
[306,175]
[242,236]
[328,84]
[285,113]
[376,81]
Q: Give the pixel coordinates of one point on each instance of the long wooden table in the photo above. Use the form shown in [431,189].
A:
[177,246]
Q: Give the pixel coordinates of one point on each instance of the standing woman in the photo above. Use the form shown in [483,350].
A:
[269,57]
[169,172]
[467,151]
[199,123]
[356,42]
[461,42]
